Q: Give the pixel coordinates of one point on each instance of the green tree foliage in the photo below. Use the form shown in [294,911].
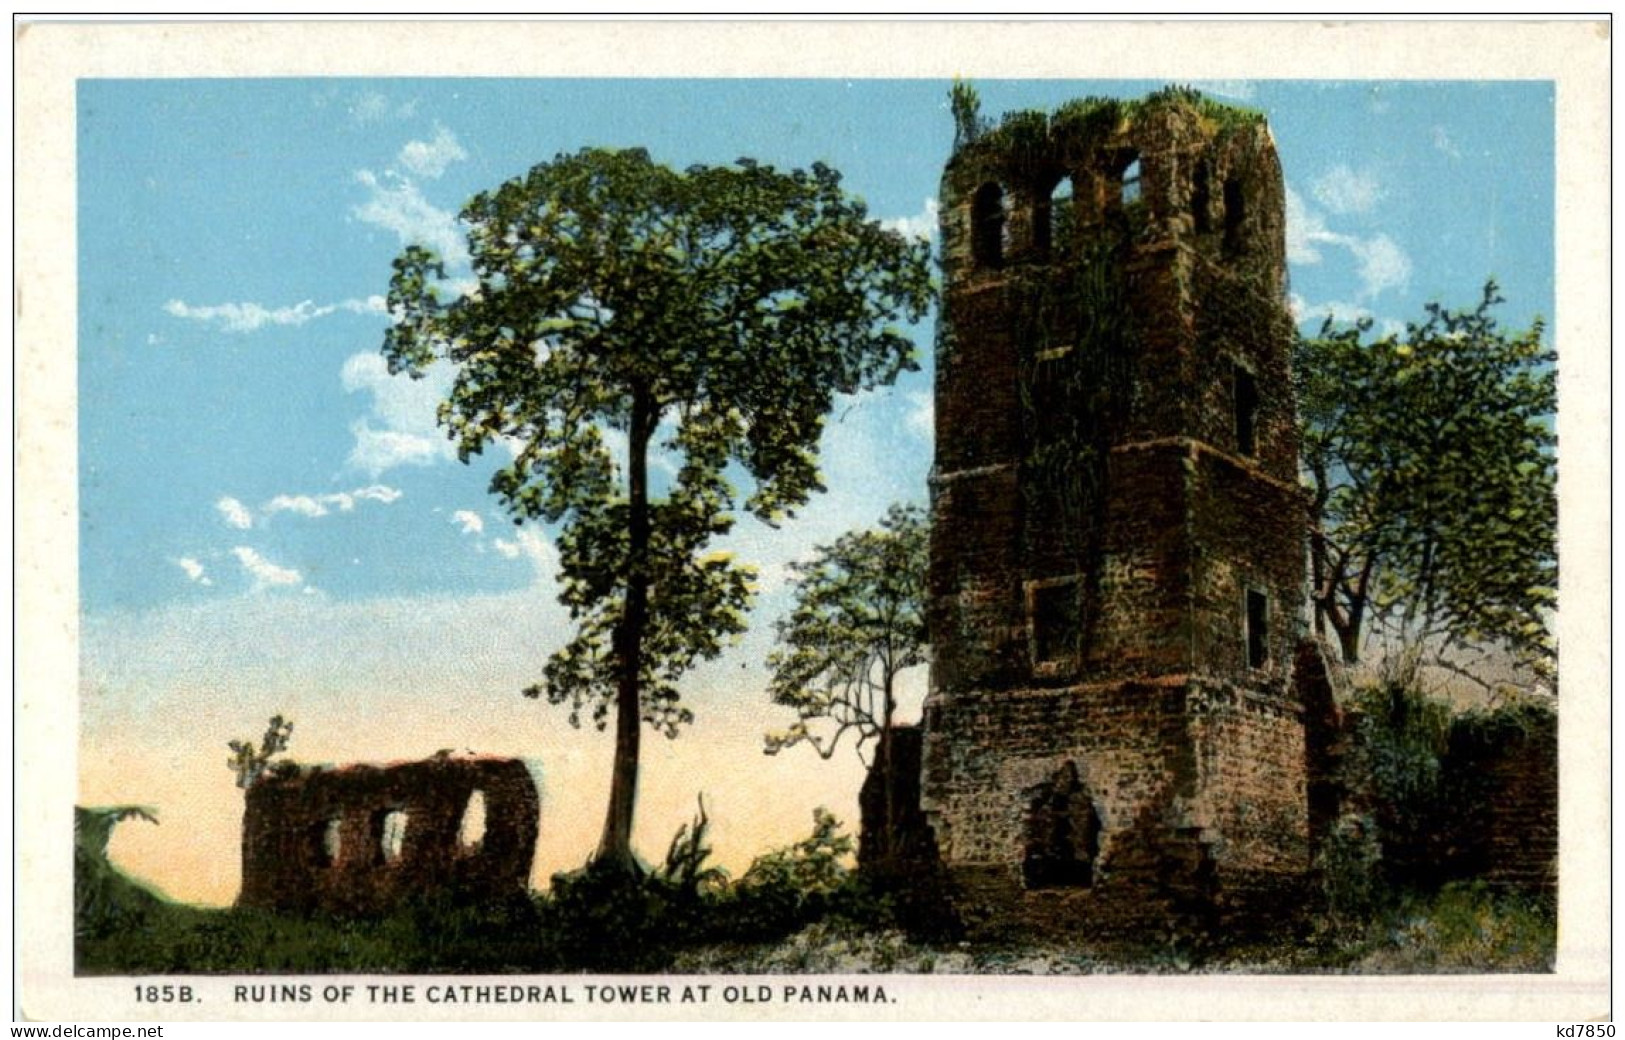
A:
[817,864]
[1431,461]
[720,309]
[105,901]
[857,623]
[966,105]
[250,763]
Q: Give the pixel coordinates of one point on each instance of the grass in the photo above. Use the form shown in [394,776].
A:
[1461,929]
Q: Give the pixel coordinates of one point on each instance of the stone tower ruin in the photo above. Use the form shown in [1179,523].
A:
[1112,735]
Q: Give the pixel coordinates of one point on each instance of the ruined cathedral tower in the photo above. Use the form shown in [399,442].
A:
[1112,736]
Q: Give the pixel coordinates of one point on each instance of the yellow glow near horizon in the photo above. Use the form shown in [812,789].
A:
[755,802]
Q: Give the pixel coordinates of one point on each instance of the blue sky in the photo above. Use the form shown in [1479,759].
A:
[271,523]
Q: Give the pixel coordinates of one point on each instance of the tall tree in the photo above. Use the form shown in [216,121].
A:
[616,300]
[857,623]
[1431,463]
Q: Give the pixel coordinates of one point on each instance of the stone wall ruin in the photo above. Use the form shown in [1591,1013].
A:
[363,839]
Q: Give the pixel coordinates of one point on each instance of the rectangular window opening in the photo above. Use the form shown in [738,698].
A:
[1246,402]
[1056,620]
[1258,637]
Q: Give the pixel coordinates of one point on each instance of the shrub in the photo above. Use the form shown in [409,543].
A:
[1394,774]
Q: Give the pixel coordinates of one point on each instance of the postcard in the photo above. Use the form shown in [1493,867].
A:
[558,520]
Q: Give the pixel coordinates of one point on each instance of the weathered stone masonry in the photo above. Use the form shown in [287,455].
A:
[362,839]
[1112,736]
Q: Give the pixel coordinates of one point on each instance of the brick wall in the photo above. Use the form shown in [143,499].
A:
[1098,472]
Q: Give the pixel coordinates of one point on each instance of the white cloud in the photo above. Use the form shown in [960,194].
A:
[304,505]
[1380,262]
[395,204]
[430,158]
[1345,190]
[234,513]
[1305,231]
[371,106]
[1383,264]
[376,451]
[249,317]
[403,426]
[1337,310]
[315,506]
[533,545]
[265,573]
[922,414]
[194,570]
[469,520]
[378,493]
[922,225]
[401,402]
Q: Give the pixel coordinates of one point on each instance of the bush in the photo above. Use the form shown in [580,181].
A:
[1466,927]
[1394,774]
[1399,868]
[1348,865]
[790,887]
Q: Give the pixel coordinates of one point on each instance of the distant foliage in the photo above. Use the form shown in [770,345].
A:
[817,865]
[1431,461]
[966,105]
[610,921]
[857,623]
[249,762]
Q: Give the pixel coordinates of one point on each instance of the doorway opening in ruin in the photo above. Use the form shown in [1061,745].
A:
[1063,834]
[471,832]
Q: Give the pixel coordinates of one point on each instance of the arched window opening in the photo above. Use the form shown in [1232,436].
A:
[392,835]
[1063,834]
[1235,215]
[1131,183]
[329,841]
[1052,224]
[987,225]
[471,832]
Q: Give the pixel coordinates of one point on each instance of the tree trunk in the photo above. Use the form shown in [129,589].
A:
[884,762]
[1348,640]
[615,846]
